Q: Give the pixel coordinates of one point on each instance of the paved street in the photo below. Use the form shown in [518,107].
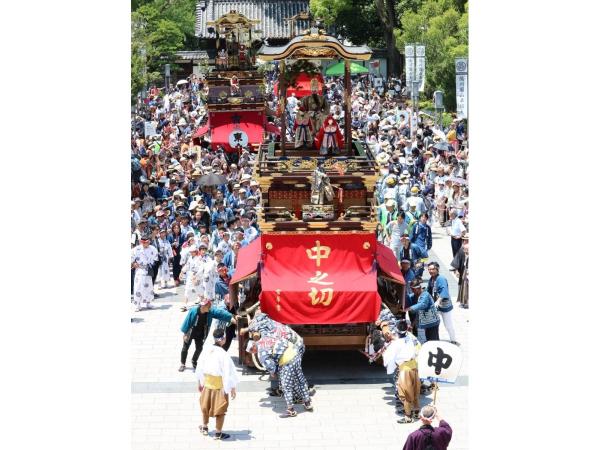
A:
[354,404]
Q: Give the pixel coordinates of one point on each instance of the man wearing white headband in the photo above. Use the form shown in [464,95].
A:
[217,380]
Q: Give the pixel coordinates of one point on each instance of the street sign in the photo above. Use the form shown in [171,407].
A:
[439,361]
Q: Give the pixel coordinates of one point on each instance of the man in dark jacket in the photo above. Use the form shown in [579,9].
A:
[428,436]
[196,325]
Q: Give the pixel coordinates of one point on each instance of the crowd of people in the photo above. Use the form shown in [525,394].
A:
[193,207]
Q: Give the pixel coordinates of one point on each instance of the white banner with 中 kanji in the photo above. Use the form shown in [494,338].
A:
[439,361]
[461,65]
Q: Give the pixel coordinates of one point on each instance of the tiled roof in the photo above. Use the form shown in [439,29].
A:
[271,14]
[189,55]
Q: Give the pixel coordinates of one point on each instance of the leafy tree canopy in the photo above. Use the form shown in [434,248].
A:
[443,28]
[159,28]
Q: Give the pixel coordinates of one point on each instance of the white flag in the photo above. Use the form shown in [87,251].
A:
[420,66]
[461,65]
[409,53]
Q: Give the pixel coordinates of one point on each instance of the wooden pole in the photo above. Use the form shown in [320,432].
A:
[435,389]
[283,103]
[348,118]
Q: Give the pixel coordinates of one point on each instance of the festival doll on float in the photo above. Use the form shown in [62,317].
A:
[303,129]
[235,85]
[222,59]
[315,105]
[329,138]
[243,56]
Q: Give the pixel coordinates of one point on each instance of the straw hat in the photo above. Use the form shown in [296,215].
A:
[382,158]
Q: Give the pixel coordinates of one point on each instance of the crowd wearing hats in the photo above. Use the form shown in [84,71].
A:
[192,207]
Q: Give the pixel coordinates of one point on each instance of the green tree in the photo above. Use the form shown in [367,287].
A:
[159,28]
[367,22]
[443,28]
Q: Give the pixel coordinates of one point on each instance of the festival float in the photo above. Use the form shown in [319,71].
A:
[317,265]
[235,102]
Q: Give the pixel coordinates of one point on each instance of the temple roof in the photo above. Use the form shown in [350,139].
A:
[271,13]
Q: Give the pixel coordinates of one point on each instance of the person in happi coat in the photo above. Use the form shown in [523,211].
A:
[409,275]
[196,325]
[412,252]
[428,436]
[329,138]
[421,235]
[217,380]
[285,358]
[460,264]
[222,296]
[429,320]
[143,258]
[165,253]
[437,287]
[303,130]
[399,359]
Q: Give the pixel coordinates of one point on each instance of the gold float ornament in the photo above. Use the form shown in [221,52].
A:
[315,52]
[283,166]
[248,93]
[366,246]
[340,167]
[235,100]
[223,94]
[269,246]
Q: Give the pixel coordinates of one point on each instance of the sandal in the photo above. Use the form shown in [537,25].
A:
[184,309]
[221,436]
[289,413]
[308,406]
[405,419]
[203,430]
[181,368]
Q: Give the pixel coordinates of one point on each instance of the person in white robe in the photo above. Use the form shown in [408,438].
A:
[217,380]
[193,282]
[143,257]
[165,252]
[399,359]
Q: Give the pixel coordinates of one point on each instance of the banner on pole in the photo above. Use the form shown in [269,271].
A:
[420,66]
[461,65]
[409,54]
[439,361]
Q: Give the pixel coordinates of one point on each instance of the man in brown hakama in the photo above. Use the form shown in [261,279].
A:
[217,379]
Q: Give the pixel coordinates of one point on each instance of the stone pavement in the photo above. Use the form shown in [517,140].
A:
[354,405]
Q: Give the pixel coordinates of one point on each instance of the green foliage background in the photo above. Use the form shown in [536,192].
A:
[442,25]
[162,27]
[159,28]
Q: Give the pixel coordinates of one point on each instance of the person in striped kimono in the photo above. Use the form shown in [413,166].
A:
[279,355]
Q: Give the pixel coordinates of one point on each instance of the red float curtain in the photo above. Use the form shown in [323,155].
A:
[319,278]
